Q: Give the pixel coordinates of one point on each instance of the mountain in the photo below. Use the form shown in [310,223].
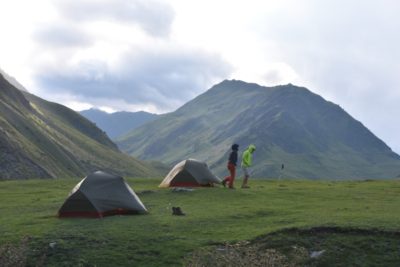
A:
[289,125]
[118,123]
[41,139]
[13,81]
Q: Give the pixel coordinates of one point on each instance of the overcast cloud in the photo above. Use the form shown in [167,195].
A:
[62,36]
[155,55]
[164,78]
[347,51]
[155,17]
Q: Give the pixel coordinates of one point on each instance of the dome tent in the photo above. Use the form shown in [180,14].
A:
[101,194]
[190,173]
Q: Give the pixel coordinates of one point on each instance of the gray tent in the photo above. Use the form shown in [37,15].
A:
[190,173]
[101,194]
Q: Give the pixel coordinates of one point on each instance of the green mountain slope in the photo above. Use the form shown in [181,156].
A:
[289,125]
[40,139]
[12,81]
[118,123]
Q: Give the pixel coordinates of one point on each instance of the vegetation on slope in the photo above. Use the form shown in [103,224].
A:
[40,139]
[314,138]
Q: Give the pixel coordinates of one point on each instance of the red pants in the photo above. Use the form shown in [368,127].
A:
[231,178]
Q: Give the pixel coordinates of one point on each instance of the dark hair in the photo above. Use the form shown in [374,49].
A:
[235,147]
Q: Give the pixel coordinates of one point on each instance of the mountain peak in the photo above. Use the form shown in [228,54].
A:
[11,95]
[289,124]
[236,84]
[12,81]
[117,123]
[239,84]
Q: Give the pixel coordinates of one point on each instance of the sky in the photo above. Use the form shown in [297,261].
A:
[155,55]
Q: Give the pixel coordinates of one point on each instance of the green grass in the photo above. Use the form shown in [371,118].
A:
[214,215]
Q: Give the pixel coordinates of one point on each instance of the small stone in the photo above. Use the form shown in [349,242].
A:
[53,245]
[316,254]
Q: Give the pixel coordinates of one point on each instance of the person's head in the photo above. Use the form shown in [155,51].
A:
[252,148]
[235,147]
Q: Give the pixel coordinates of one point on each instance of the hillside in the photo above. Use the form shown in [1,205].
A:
[12,81]
[118,123]
[314,138]
[41,139]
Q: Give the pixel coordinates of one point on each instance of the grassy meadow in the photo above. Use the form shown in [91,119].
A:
[214,217]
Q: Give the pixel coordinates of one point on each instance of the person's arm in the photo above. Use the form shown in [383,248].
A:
[234,158]
[246,156]
[250,160]
[230,157]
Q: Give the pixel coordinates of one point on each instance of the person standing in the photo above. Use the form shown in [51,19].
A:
[232,161]
[247,161]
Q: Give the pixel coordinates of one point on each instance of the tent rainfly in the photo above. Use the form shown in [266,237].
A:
[190,173]
[101,194]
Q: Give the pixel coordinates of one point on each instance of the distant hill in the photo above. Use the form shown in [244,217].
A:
[118,123]
[289,125]
[41,139]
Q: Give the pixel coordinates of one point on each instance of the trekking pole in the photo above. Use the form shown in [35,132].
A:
[281,172]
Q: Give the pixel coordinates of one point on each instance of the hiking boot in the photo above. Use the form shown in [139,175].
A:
[177,211]
[224,183]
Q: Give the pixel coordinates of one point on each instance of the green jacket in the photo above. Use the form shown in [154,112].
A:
[247,157]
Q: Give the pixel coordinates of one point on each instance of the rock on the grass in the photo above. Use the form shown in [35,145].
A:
[53,245]
[316,254]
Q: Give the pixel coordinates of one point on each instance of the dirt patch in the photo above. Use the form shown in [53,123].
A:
[241,254]
[14,255]
[317,246]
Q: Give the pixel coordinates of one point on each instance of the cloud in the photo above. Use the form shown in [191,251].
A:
[154,17]
[62,36]
[347,51]
[92,52]
[164,79]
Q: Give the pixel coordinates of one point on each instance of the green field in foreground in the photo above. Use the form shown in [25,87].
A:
[213,216]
